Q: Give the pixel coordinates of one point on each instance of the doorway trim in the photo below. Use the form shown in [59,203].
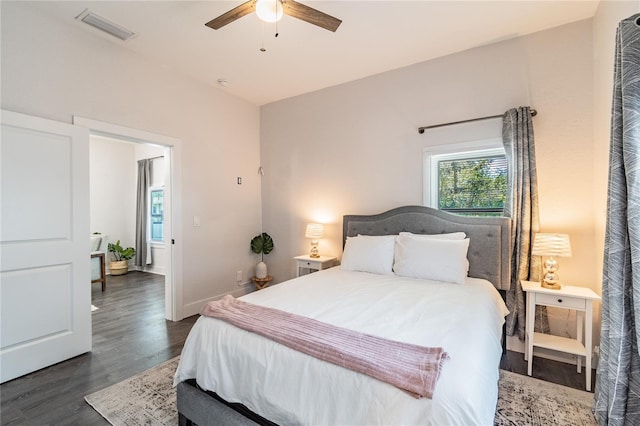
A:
[173,200]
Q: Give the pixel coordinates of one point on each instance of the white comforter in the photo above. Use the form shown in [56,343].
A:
[288,387]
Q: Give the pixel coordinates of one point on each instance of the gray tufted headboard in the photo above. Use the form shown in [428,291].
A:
[489,245]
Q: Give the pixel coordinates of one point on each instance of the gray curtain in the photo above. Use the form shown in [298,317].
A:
[617,393]
[521,206]
[142,207]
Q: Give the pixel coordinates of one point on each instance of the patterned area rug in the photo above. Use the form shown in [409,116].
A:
[145,399]
[149,399]
[523,400]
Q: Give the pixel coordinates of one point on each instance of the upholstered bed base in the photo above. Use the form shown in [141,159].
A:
[202,408]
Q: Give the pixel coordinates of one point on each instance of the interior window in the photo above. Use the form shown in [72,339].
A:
[156,214]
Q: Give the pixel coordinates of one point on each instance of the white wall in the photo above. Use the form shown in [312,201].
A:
[355,148]
[605,23]
[54,70]
[112,186]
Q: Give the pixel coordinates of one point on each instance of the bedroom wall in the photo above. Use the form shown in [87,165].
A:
[355,148]
[605,23]
[112,190]
[53,70]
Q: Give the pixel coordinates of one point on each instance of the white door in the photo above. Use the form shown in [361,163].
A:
[45,284]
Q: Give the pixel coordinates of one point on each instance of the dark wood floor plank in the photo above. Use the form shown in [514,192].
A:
[130,335]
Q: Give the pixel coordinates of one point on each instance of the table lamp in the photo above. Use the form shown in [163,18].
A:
[315,231]
[551,245]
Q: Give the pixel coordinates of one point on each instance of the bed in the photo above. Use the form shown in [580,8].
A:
[231,376]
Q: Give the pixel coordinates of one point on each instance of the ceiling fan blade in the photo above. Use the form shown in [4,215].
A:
[230,16]
[311,15]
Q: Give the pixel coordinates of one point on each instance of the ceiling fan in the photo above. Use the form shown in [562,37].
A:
[273,10]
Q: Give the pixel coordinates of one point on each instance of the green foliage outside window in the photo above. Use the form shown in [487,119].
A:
[474,186]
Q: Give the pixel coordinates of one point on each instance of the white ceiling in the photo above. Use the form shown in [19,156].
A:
[375,36]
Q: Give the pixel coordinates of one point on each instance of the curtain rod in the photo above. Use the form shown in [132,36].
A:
[422,129]
[155,158]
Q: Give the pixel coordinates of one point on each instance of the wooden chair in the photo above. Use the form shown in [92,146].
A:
[99,276]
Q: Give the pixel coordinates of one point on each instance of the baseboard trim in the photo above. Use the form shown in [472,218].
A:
[194,308]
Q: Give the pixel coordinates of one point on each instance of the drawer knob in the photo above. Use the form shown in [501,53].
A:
[559,300]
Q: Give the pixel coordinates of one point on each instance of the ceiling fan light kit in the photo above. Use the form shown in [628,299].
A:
[273,10]
[269,10]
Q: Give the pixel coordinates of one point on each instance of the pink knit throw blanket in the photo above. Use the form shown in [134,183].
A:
[414,369]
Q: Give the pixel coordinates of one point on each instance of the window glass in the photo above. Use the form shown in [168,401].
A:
[156,214]
[473,185]
[467,179]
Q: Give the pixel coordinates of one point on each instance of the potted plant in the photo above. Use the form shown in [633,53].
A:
[121,256]
[262,244]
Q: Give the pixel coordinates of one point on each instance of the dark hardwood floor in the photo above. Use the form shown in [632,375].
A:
[548,370]
[130,335]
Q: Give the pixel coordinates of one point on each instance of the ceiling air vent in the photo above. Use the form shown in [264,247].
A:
[103,24]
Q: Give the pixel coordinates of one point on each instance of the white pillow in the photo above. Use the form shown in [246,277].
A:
[449,236]
[431,258]
[368,253]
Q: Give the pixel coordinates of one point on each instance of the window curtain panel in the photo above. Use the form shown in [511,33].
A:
[521,205]
[143,254]
[617,393]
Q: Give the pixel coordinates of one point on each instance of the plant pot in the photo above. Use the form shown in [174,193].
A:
[261,270]
[119,267]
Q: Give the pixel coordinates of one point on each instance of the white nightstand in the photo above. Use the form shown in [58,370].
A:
[579,299]
[312,264]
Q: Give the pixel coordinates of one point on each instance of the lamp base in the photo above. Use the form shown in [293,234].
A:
[550,278]
[314,249]
[552,286]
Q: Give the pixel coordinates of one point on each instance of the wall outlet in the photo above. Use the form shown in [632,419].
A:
[238,276]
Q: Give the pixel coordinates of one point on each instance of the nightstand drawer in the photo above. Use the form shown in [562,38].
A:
[312,264]
[561,301]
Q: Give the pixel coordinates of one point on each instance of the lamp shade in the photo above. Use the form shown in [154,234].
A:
[314,231]
[551,245]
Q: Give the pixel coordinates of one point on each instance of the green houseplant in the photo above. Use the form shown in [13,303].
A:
[121,256]
[262,244]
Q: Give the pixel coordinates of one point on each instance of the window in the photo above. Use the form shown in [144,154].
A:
[470,182]
[156,214]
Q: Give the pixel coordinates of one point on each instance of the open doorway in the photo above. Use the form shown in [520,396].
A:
[115,151]
[121,209]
